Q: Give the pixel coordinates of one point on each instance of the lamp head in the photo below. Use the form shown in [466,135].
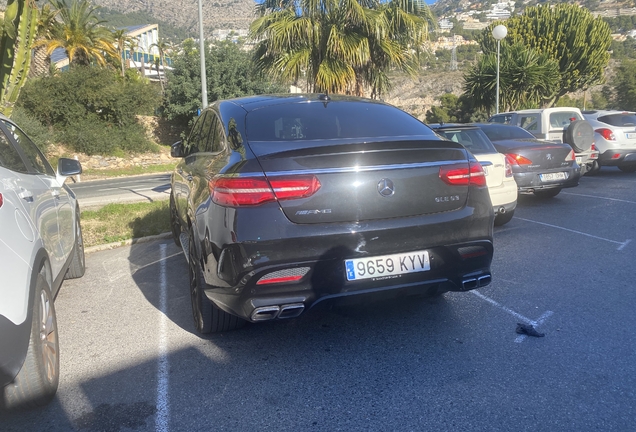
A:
[499,32]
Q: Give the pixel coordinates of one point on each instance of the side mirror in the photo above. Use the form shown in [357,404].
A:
[67,167]
[177,150]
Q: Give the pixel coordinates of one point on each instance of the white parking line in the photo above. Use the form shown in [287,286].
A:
[599,197]
[163,406]
[620,247]
[534,323]
[156,261]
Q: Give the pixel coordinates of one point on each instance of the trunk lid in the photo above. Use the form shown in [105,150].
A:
[542,155]
[494,166]
[366,180]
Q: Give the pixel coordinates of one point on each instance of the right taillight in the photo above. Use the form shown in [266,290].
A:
[515,159]
[571,156]
[606,133]
[251,191]
[463,174]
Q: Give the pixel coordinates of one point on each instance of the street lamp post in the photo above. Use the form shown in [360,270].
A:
[499,32]
[204,84]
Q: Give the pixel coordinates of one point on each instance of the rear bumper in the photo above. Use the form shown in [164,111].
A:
[530,181]
[614,157]
[459,245]
[504,195]
[325,281]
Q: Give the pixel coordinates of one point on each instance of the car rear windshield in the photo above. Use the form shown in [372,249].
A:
[331,120]
[627,119]
[473,140]
[497,133]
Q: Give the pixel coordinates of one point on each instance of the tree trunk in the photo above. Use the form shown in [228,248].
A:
[40,63]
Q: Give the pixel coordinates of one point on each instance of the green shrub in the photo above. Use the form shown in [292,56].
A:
[92,110]
[91,137]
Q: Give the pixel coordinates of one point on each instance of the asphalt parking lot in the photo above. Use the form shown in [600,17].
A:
[129,359]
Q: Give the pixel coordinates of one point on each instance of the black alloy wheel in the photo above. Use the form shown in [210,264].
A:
[201,306]
[502,219]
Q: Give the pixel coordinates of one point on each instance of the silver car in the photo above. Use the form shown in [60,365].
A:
[615,138]
[40,246]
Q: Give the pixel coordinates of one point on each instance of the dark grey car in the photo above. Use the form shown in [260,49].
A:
[285,202]
[543,168]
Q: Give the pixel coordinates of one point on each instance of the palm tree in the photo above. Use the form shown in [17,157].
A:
[527,79]
[41,63]
[162,46]
[80,34]
[121,39]
[340,46]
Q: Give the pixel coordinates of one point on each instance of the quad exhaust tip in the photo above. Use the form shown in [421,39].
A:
[268,313]
[472,283]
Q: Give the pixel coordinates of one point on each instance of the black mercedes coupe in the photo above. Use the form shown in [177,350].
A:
[285,202]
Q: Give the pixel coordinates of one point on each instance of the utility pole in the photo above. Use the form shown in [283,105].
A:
[204,84]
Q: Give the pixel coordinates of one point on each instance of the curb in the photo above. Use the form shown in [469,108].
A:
[128,242]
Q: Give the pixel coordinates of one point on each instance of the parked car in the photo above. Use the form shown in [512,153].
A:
[285,202]
[40,245]
[559,124]
[615,138]
[501,183]
[539,167]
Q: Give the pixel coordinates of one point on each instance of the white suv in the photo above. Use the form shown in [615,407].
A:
[561,124]
[615,138]
[40,245]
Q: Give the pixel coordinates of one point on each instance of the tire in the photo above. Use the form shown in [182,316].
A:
[36,383]
[627,168]
[580,135]
[502,219]
[78,264]
[208,318]
[596,167]
[175,225]
[547,193]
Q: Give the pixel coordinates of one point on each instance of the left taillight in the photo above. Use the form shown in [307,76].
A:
[1,200]
[471,174]
[251,191]
[508,168]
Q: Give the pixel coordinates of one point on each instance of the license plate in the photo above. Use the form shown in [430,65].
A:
[387,265]
[631,135]
[552,176]
[579,159]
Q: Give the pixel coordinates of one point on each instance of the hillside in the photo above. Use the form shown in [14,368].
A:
[217,14]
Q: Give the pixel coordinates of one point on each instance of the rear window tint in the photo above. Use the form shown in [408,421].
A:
[333,120]
[559,120]
[9,157]
[619,119]
[496,133]
[501,118]
[473,140]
